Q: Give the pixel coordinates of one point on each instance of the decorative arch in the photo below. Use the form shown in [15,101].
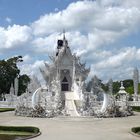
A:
[65,80]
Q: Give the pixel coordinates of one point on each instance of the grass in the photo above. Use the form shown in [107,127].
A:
[19,130]
[6,109]
[16,133]
[136,108]
[136,130]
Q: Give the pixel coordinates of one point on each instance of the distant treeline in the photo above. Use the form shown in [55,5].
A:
[128,84]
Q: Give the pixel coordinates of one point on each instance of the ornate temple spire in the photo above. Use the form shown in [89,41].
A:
[65,42]
[122,89]
[64,38]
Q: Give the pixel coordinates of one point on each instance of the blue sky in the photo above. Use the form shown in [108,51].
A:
[104,33]
[26,11]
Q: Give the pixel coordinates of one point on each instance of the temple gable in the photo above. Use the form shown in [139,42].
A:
[66,69]
[66,60]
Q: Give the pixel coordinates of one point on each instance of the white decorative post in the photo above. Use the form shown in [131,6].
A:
[12,91]
[16,86]
[110,86]
[135,81]
[73,76]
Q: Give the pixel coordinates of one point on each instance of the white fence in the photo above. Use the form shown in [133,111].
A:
[129,103]
[6,104]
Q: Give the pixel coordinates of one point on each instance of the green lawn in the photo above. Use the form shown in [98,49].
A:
[6,109]
[22,129]
[16,133]
[19,130]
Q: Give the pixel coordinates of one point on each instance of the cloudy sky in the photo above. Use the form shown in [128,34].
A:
[104,33]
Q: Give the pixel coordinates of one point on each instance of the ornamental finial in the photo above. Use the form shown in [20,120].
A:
[64,38]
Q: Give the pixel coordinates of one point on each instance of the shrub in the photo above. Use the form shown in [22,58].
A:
[135,129]
[20,129]
[6,109]
[136,108]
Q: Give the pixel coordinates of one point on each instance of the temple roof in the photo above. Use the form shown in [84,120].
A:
[63,52]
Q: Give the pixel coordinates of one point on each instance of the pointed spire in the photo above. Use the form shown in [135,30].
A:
[65,43]
[121,83]
[64,38]
[122,87]
[12,90]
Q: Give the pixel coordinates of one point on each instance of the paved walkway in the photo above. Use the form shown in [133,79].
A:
[77,128]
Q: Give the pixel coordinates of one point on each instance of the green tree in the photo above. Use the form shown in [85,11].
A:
[8,72]
[130,90]
[128,83]
[116,86]
[23,83]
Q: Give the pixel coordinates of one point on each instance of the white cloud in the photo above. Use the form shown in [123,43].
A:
[118,19]
[125,56]
[56,9]
[92,29]
[9,20]
[45,44]
[118,65]
[14,36]
[88,16]
[33,69]
[120,3]
[27,58]
[130,3]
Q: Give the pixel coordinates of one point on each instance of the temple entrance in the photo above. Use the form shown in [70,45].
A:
[65,80]
[65,85]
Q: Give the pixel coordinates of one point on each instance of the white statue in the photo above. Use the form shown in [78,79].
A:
[136,82]
[110,86]
[16,86]
[12,90]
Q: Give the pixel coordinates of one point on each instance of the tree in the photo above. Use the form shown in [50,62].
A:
[104,87]
[23,83]
[8,72]
[128,83]
[116,87]
[130,90]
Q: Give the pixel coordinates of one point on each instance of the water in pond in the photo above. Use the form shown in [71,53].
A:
[11,137]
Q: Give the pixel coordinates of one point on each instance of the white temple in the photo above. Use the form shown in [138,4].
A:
[66,76]
[65,93]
